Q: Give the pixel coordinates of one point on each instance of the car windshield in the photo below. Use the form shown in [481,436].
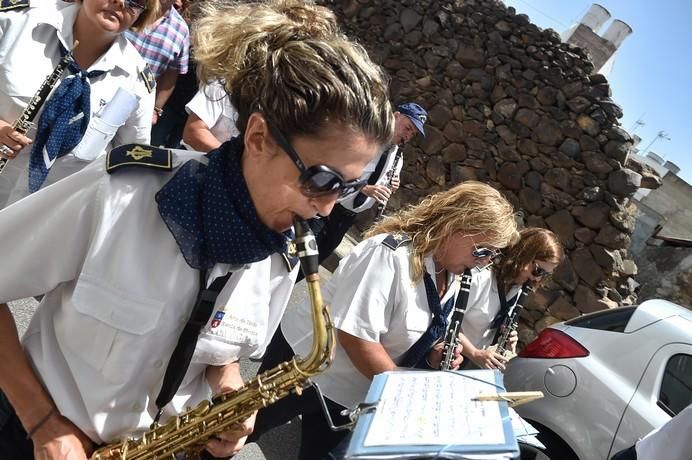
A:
[614,320]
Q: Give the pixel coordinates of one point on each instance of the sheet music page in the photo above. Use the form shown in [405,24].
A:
[419,408]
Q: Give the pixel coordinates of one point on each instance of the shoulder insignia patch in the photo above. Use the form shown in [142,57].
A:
[148,77]
[291,256]
[394,240]
[139,155]
[7,5]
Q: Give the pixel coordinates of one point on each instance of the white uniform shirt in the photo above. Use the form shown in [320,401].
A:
[118,293]
[213,106]
[671,441]
[483,306]
[30,41]
[371,296]
[383,179]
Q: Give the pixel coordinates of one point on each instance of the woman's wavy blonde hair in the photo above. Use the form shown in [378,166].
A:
[471,208]
[288,60]
[534,243]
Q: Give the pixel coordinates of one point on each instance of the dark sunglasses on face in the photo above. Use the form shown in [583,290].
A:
[317,180]
[539,272]
[135,6]
[482,252]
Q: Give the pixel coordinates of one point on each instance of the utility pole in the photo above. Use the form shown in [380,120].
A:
[661,135]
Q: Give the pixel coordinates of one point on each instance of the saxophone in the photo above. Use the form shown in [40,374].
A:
[25,121]
[452,335]
[511,323]
[184,436]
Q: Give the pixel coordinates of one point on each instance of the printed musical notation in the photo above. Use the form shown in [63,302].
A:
[435,408]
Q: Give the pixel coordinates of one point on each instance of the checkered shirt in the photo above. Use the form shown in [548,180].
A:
[164,45]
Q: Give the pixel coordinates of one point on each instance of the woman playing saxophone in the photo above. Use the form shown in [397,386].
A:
[129,246]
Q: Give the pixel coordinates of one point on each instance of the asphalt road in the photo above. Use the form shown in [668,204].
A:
[280,444]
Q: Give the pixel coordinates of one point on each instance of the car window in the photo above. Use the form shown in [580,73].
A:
[614,320]
[676,387]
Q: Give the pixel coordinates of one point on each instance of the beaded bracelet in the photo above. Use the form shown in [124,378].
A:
[40,423]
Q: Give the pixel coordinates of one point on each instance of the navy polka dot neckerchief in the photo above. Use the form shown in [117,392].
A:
[208,210]
[62,123]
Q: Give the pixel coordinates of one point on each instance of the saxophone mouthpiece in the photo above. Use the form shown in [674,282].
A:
[306,245]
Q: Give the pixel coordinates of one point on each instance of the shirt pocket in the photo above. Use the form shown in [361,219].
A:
[106,328]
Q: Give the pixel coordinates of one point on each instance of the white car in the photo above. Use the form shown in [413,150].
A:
[609,378]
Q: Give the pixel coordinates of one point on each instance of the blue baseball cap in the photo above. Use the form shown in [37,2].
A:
[415,113]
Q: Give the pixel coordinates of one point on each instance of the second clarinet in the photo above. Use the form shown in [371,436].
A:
[511,323]
[25,120]
[379,210]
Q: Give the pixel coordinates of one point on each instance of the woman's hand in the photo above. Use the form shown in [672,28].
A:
[513,339]
[395,183]
[488,359]
[60,439]
[229,443]
[13,140]
[435,356]
[224,379]
[379,192]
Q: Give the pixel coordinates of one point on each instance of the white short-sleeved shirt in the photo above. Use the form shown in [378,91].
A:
[118,293]
[384,178]
[671,441]
[370,296]
[30,41]
[213,106]
[483,306]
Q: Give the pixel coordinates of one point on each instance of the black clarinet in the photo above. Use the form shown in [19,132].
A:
[379,210]
[25,121]
[452,334]
[511,322]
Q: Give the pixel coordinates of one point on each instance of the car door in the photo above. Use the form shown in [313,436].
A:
[664,389]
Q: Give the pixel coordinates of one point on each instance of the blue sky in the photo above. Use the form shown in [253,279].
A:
[652,75]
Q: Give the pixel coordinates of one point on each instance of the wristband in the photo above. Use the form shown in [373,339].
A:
[40,423]
[158,110]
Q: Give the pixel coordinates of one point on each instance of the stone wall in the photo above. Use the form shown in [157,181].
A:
[513,106]
[666,273]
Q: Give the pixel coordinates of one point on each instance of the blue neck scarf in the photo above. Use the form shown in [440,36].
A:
[208,210]
[415,356]
[62,123]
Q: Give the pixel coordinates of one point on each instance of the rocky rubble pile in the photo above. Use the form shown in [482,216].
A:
[513,106]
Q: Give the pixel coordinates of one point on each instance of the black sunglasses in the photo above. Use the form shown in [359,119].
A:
[539,272]
[482,252]
[135,6]
[317,180]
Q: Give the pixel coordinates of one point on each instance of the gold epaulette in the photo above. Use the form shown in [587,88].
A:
[139,155]
[148,77]
[8,5]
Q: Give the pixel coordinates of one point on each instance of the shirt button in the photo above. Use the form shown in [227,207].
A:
[158,364]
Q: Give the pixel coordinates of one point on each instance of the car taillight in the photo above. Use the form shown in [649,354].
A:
[552,343]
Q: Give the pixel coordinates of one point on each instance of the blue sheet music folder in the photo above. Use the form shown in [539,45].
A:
[388,429]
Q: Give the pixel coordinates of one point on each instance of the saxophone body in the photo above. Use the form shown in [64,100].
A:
[26,119]
[452,334]
[184,436]
[511,323]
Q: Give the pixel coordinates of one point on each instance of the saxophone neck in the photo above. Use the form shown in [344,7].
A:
[323,338]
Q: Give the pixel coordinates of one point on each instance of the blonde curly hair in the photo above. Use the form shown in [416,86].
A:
[471,208]
[288,60]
